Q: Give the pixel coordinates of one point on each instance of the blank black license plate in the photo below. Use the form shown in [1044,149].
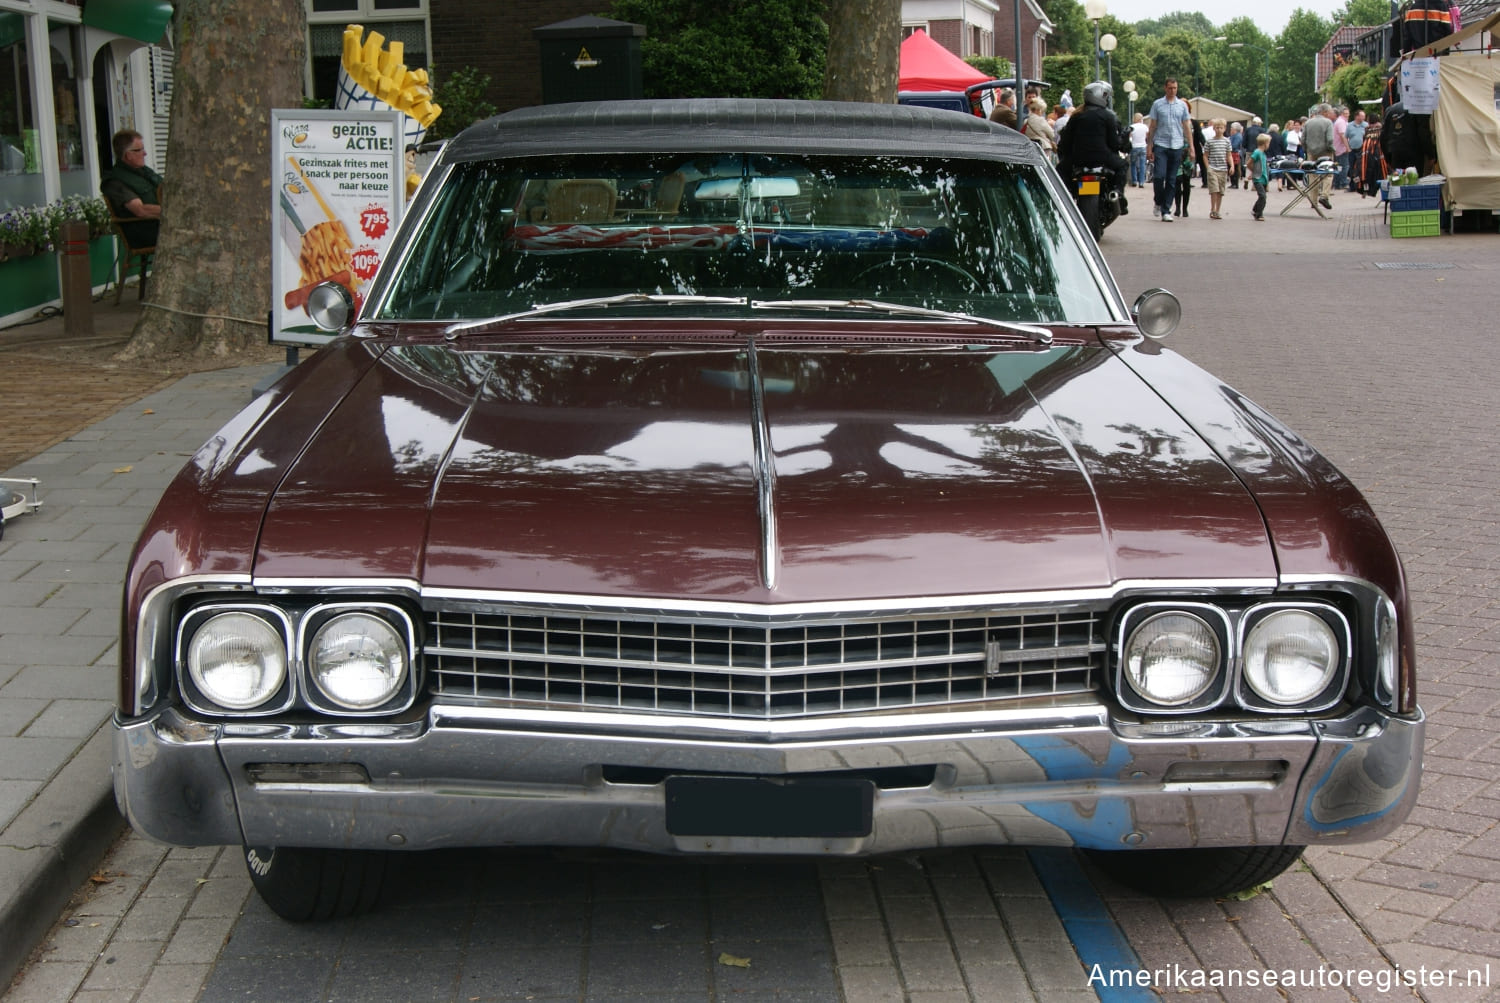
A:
[752,806]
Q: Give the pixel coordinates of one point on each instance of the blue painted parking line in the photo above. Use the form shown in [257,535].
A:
[1109,961]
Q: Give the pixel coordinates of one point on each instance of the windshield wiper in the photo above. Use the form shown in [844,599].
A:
[661,299]
[1039,334]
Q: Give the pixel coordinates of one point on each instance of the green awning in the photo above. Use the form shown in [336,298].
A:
[143,20]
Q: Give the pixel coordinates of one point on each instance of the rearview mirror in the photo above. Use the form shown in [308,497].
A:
[756,188]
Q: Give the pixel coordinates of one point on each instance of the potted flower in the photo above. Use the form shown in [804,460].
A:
[93,211]
[33,229]
[25,231]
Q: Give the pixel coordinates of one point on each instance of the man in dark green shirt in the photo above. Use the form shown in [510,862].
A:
[133,190]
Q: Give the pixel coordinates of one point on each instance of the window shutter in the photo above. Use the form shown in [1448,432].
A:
[161,102]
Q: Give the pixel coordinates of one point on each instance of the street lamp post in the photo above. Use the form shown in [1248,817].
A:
[1267,54]
[1197,63]
[1130,95]
[1108,43]
[1094,10]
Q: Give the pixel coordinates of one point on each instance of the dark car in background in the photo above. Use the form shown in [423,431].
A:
[758,477]
[976,99]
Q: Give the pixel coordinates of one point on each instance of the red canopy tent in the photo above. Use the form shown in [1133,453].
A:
[927,66]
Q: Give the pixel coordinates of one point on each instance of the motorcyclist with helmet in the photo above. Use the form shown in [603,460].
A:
[1093,138]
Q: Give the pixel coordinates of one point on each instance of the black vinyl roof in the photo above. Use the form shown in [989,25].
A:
[713,125]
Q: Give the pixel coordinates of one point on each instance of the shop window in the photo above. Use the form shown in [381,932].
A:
[67,108]
[20,150]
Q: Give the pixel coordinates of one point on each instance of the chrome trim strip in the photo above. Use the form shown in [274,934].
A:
[408,586]
[765,474]
[1076,712]
[151,621]
[1303,581]
[906,605]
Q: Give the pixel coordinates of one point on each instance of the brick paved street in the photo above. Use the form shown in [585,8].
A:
[1388,370]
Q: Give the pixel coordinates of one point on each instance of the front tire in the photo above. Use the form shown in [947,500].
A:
[304,884]
[1207,872]
[1088,206]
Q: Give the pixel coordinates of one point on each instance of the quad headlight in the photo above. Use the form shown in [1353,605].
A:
[1172,658]
[358,661]
[237,659]
[1290,656]
[338,658]
[1266,657]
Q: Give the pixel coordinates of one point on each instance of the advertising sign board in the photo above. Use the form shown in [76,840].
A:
[339,182]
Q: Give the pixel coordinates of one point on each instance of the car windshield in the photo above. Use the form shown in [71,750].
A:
[980,237]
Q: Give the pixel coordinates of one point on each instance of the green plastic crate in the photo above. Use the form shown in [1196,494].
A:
[1426,223]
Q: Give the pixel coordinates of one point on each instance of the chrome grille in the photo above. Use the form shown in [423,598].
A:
[759,671]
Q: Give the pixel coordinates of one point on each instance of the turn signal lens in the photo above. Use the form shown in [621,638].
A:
[1290,657]
[237,660]
[358,660]
[1172,658]
[1386,654]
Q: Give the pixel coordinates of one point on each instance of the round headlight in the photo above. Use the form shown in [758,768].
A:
[1290,657]
[358,660]
[1172,658]
[237,660]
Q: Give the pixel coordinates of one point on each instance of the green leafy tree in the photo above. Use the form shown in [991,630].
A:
[1354,82]
[1131,60]
[1365,13]
[1239,74]
[1292,91]
[994,66]
[1175,54]
[461,96]
[1192,22]
[752,48]
[1072,32]
[1067,73]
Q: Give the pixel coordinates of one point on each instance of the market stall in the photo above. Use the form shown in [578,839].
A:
[1207,109]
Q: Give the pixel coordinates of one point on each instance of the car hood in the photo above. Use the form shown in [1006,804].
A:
[787,473]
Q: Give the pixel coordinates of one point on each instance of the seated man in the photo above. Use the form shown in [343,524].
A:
[133,190]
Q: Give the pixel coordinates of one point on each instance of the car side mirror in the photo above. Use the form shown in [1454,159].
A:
[1157,313]
[331,307]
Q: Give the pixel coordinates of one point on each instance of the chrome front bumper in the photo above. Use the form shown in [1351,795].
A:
[1063,775]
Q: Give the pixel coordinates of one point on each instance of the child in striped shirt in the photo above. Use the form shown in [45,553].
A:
[1216,153]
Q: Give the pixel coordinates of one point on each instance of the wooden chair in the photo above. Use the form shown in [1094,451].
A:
[581,200]
[129,253]
[668,201]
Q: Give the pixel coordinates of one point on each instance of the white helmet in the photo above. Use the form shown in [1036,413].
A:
[1099,94]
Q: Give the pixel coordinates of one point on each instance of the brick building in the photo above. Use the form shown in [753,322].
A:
[496,39]
[982,28]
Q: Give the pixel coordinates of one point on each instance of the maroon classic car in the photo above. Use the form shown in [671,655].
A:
[758,477]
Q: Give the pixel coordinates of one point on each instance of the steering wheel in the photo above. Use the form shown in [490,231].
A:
[918,269]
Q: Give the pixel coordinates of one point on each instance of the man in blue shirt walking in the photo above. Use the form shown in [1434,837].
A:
[1169,138]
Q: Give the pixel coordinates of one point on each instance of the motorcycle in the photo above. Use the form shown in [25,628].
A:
[1097,197]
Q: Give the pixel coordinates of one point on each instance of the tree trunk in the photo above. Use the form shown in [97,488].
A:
[864,51]
[211,281]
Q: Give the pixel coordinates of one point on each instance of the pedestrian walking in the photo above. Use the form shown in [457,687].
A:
[1216,154]
[1138,130]
[1260,174]
[1169,141]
